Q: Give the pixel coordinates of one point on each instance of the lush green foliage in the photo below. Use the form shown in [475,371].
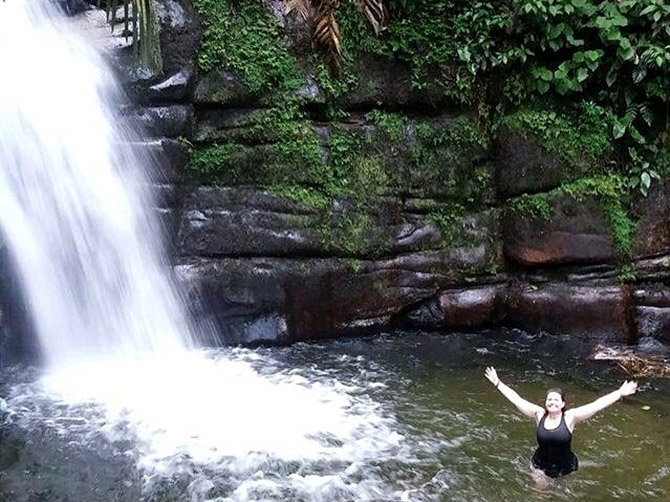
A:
[580,137]
[612,54]
[246,38]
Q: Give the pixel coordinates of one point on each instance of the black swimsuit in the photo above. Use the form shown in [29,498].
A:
[553,455]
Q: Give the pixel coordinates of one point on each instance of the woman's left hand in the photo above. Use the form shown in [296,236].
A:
[492,376]
[628,388]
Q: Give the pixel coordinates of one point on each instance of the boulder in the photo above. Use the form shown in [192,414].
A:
[587,310]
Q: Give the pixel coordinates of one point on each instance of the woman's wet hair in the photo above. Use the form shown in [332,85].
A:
[560,392]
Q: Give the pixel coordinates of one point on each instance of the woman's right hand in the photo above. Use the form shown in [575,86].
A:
[628,388]
[491,374]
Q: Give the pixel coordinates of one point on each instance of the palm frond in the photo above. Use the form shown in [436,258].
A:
[327,35]
[375,12]
[145,30]
[303,7]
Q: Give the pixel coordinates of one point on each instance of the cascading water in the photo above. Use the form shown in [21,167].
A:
[71,202]
[116,344]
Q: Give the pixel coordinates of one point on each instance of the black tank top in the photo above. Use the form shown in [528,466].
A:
[554,455]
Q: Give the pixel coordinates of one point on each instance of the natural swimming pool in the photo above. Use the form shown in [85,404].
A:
[400,416]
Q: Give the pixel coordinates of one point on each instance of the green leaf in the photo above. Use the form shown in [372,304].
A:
[561,86]
[638,74]
[592,55]
[635,134]
[618,130]
[555,30]
[645,180]
[611,76]
[619,20]
[542,86]
[625,54]
[578,57]
[582,74]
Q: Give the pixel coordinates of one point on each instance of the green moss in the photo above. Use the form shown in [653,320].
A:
[535,206]
[448,218]
[444,161]
[605,187]
[391,124]
[217,162]
[622,226]
[626,273]
[353,233]
[354,168]
[581,137]
[305,196]
[294,155]
[246,38]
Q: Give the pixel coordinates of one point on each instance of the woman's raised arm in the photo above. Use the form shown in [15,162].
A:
[526,407]
[585,412]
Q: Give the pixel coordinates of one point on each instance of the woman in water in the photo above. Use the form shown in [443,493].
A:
[555,424]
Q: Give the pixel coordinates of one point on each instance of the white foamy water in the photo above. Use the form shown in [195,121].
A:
[71,207]
[111,328]
[300,434]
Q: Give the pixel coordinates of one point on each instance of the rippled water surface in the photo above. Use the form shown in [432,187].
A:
[403,416]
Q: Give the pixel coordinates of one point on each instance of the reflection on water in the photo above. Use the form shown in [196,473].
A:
[397,417]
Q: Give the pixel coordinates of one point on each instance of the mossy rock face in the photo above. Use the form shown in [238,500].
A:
[574,232]
[223,88]
[538,150]
[524,167]
[387,83]
[444,158]
[237,221]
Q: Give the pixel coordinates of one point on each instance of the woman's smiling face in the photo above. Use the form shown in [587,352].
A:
[554,402]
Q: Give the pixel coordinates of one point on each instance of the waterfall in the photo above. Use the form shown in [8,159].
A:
[73,207]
